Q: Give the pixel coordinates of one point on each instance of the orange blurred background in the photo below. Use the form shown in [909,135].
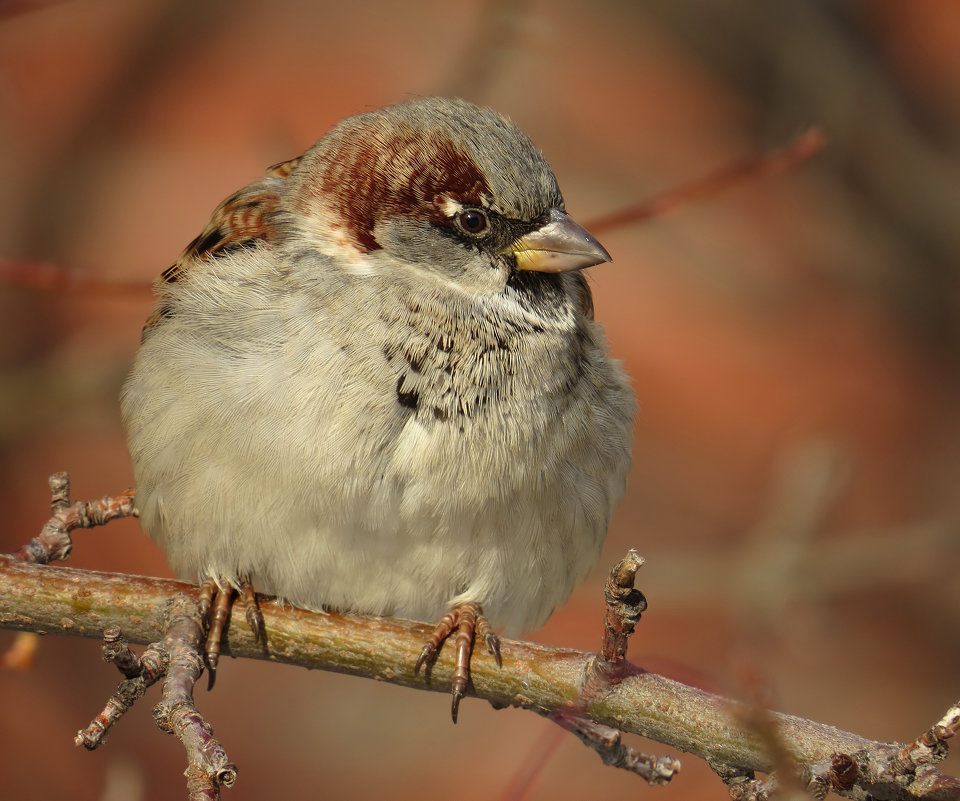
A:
[793,342]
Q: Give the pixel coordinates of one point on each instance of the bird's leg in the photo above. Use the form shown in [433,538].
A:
[216,601]
[469,622]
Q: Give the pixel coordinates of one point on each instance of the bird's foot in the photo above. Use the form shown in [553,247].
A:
[216,601]
[469,623]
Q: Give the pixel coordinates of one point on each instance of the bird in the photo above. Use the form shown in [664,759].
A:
[374,383]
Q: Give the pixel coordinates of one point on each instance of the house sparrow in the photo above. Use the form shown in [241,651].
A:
[374,383]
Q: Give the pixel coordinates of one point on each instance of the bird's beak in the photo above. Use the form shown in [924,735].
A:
[558,246]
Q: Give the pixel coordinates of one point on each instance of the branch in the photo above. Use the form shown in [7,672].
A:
[81,603]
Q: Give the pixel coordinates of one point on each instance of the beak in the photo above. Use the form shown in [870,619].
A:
[558,246]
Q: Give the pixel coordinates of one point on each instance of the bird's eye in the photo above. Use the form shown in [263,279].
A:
[473,221]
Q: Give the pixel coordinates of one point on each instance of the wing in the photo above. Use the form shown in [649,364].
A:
[241,221]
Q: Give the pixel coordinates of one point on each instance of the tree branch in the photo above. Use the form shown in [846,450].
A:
[549,681]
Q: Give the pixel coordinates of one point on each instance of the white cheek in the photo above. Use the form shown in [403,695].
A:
[336,242]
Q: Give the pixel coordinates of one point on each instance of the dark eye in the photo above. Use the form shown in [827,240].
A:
[473,221]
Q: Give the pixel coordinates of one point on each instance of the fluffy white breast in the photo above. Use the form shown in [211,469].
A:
[347,448]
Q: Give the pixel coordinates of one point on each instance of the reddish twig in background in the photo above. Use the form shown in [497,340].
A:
[785,158]
[13,8]
[524,779]
[53,278]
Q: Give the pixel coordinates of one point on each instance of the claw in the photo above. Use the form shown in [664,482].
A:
[493,648]
[427,654]
[455,703]
[252,611]
[491,640]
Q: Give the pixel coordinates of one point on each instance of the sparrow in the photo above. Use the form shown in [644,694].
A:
[374,383]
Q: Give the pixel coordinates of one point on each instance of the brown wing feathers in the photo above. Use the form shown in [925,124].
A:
[240,221]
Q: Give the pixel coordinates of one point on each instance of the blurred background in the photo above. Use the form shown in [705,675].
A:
[793,341]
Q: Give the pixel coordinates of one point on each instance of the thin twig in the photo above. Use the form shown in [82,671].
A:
[140,677]
[208,766]
[624,606]
[54,542]
[178,660]
[777,161]
[607,742]
[47,277]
